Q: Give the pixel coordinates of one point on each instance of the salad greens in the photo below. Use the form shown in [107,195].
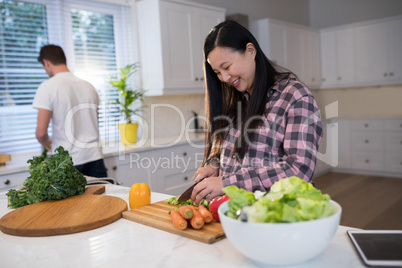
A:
[50,178]
[238,198]
[289,200]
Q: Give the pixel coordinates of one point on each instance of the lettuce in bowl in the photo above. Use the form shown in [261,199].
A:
[289,200]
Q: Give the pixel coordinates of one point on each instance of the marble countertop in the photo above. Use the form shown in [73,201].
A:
[128,244]
[19,163]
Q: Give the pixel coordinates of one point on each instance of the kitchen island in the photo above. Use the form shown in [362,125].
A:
[128,244]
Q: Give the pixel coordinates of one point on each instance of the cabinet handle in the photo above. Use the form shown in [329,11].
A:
[186,178]
[367,161]
[7,182]
[114,167]
[400,125]
[323,79]
[366,125]
[391,74]
[385,74]
[184,154]
[312,79]
[202,78]
[196,79]
[339,78]
[366,141]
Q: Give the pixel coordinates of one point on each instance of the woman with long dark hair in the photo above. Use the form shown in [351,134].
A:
[263,124]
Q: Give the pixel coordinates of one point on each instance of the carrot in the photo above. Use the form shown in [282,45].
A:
[205,213]
[178,221]
[186,212]
[197,221]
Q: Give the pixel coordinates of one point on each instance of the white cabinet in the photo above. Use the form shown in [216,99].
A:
[291,46]
[128,169]
[166,170]
[337,57]
[367,145]
[174,167]
[12,181]
[370,146]
[171,36]
[378,52]
[311,72]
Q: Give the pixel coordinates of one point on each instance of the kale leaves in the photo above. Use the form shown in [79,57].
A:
[50,178]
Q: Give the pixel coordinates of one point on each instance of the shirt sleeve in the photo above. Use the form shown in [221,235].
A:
[42,98]
[301,138]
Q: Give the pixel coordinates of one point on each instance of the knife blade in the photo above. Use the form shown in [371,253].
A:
[187,193]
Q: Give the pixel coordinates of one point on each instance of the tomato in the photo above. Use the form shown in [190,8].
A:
[214,205]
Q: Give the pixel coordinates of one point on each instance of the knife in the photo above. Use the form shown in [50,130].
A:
[187,193]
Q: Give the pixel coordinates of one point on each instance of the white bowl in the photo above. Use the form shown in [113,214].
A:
[281,243]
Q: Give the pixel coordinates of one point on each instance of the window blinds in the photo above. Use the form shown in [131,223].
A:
[95,40]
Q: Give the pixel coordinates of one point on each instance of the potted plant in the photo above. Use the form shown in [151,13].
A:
[127,96]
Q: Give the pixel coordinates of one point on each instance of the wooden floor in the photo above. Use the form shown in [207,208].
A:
[368,202]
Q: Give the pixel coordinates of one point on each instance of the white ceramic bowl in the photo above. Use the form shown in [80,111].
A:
[281,243]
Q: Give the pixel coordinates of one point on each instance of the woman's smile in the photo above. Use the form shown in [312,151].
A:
[234,68]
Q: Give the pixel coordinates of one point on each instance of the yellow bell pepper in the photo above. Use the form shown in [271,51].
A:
[140,195]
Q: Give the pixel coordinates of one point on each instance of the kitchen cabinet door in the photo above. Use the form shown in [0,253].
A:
[291,46]
[294,51]
[345,51]
[311,59]
[371,52]
[171,36]
[275,50]
[337,57]
[128,168]
[378,52]
[178,69]
[203,21]
[328,58]
[395,50]
[173,167]
[12,181]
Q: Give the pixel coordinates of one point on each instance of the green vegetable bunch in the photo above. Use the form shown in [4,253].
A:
[51,178]
[289,200]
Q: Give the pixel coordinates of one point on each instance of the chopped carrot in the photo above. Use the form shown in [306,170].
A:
[197,221]
[178,221]
[186,212]
[205,213]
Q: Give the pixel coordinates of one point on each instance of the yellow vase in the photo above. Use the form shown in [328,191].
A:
[128,133]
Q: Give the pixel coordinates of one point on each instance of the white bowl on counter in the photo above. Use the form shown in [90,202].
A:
[281,244]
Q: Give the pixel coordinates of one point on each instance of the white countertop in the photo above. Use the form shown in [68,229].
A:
[128,244]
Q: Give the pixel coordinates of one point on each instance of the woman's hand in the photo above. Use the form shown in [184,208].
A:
[209,188]
[205,172]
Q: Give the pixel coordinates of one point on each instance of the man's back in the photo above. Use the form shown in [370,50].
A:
[74,104]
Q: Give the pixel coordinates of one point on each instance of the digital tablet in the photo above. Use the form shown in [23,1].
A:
[378,247]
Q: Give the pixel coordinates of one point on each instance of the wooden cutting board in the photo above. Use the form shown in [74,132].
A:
[157,215]
[71,215]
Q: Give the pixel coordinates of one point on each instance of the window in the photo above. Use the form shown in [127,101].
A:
[95,40]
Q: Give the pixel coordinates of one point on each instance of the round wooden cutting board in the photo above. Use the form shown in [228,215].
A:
[71,215]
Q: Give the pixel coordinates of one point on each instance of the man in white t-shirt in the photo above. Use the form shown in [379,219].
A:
[72,105]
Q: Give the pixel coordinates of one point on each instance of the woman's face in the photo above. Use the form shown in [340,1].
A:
[234,68]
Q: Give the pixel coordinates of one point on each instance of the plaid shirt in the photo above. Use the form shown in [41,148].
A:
[284,145]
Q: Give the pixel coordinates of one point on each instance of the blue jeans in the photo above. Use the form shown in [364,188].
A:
[94,169]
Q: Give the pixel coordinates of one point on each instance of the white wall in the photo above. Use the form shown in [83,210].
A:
[296,11]
[327,13]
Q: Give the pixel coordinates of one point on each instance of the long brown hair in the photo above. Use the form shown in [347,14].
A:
[222,99]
